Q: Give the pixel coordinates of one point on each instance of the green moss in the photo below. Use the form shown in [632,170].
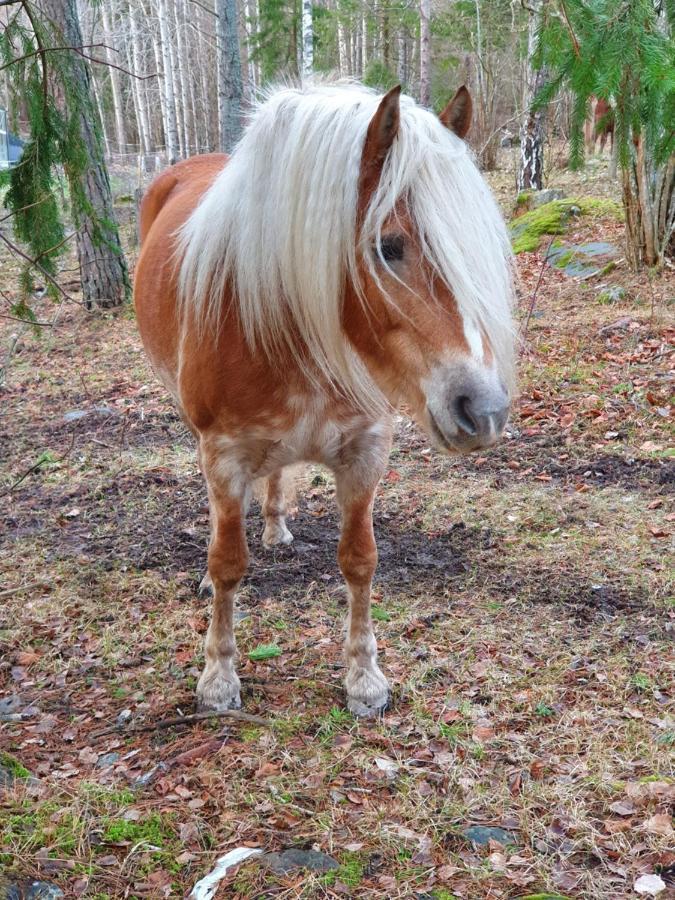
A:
[155,830]
[552,218]
[350,871]
[7,761]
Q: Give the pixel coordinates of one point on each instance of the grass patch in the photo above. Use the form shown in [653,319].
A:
[264,651]
[7,761]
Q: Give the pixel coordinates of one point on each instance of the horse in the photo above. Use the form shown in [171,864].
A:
[347,258]
[600,124]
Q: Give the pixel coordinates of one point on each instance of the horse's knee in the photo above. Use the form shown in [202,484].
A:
[358,563]
[227,564]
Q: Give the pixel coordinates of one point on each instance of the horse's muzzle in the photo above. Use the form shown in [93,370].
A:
[466,410]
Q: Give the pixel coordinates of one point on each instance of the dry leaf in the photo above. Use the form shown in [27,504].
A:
[661,823]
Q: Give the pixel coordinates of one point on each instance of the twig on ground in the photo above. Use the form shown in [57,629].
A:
[41,462]
[187,720]
[536,288]
[22,587]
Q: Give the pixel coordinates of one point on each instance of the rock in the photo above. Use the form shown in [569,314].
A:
[288,860]
[123,717]
[612,294]
[10,705]
[538,198]
[483,834]
[582,260]
[29,890]
[12,771]
[107,760]
[74,415]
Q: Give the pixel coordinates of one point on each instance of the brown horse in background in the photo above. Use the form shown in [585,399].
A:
[600,124]
[348,257]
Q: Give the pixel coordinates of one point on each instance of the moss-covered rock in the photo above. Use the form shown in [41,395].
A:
[553,218]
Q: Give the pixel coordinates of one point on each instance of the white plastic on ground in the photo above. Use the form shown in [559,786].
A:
[206,887]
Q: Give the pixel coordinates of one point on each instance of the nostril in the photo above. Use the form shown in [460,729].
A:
[465,419]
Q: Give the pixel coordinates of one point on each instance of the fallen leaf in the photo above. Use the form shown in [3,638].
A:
[661,823]
[623,808]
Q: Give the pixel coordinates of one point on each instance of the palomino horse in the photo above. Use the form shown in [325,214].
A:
[347,257]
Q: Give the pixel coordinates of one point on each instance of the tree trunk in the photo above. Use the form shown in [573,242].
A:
[103,270]
[170,124]
[533,126]
[229,74]
[139,86]
[425,52]
[115,83]
[307,41]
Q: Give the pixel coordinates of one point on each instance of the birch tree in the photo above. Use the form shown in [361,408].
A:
[307,41]
[170,122]
[533,125]
[229,74]
[425,52]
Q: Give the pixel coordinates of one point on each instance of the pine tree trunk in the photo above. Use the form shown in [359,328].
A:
[103,270]
[533,126]
[229,74]
[425,52]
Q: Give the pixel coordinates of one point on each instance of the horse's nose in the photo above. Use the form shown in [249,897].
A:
[480,418]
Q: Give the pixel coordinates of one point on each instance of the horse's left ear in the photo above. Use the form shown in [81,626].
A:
[457,114]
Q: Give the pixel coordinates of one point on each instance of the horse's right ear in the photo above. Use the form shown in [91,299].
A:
[382,130]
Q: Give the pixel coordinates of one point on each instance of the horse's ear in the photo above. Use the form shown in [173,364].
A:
[457,114]
[382,130]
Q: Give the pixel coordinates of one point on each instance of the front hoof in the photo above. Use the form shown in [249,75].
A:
[205,588]
[215,693]
[367,693]
[276,534]
[368,710]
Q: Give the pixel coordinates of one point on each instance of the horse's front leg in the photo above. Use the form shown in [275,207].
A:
[218,686]
[367,688]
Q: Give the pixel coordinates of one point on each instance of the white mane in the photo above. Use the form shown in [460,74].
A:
[279,223]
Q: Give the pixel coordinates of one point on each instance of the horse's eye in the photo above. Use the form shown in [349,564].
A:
[392,248]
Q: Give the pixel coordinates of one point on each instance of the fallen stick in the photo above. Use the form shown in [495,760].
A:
[188,720]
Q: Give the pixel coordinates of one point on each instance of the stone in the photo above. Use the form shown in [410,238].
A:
[107,760]
[539,198]
[483,834]
[74,415]
[288,860]
[29,890]
[612,294]
[10,705]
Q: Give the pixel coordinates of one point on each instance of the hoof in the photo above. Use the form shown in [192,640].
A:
[205,588]
[368,710]
[276,534]
[367,692]
[215,693]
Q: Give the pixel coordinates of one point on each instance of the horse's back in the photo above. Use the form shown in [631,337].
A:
[188,174]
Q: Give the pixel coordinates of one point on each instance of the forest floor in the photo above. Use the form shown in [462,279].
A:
[522,611]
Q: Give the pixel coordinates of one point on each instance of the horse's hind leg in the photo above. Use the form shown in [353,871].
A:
[218,686]
[274,510]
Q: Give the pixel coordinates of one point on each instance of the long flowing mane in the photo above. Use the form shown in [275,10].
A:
[279,226]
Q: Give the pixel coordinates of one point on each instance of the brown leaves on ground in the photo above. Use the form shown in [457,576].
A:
[521,612]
